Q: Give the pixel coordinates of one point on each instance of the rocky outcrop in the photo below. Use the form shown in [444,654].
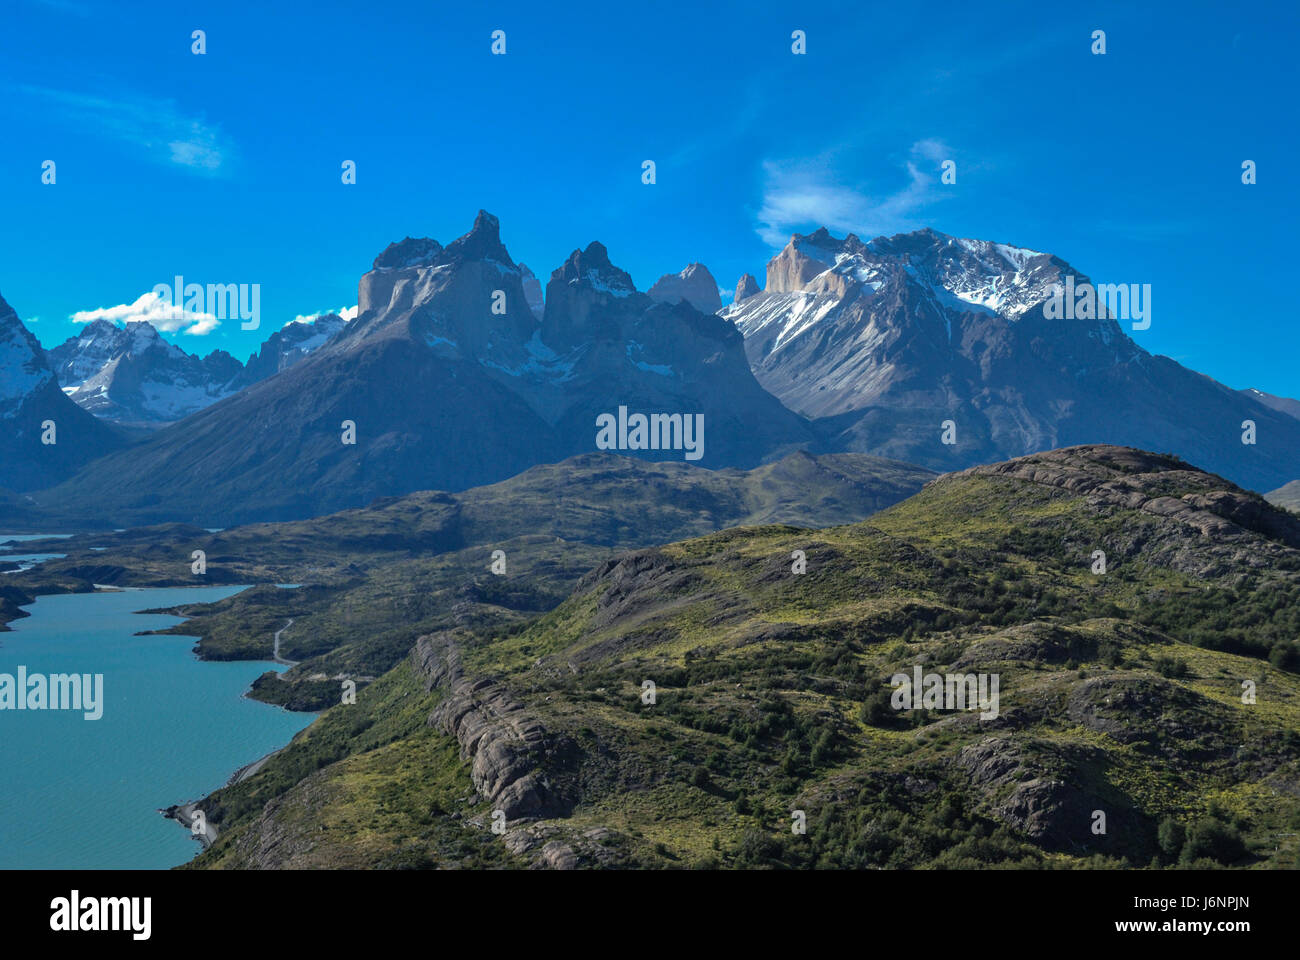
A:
[532,291]
[554,847]
[746,287]
[694,284]
[507,747]
[1156,484]
[1030,792]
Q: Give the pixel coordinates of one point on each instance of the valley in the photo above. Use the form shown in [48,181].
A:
[529,651]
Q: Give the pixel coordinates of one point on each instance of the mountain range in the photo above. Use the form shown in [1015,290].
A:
[130,375]
[879,343]
[459,371]
[450,380]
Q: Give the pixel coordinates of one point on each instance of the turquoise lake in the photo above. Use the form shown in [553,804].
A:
[77,793]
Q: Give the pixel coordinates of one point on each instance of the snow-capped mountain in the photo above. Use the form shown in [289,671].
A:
[131,375]
[31,401]
[880,342]
[291,343]
[449,380]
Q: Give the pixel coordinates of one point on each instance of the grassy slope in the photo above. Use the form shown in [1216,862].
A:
[1120,693]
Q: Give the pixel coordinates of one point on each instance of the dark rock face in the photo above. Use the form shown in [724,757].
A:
[407,253]
[1042,795]
[883,341]
[29,398]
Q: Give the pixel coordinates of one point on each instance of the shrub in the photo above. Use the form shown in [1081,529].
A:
[1213,840]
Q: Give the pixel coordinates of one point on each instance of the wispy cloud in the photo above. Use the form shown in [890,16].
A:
[801,194]
[158,127]
[154,309]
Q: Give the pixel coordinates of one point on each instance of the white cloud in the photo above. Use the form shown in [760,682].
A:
[155,310]
[802,194]
[347,313]
[203,327]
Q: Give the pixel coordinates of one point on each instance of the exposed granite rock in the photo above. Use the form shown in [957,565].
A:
[507,747]
[694,284]
[554,846]
[532,291]
[746,287]
[1243,529]
[1022,790]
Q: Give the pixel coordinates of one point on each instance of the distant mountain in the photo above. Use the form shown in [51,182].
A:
[1281,404]
[291,343]
[1287,495]
[694,284]
[881,342]
[451,381]
[131,375]
[746,287]
[29,399]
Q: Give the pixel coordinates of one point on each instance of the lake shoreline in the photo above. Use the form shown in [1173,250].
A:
[183,813]
[80,636]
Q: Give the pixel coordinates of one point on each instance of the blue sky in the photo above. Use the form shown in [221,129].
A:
[226,167]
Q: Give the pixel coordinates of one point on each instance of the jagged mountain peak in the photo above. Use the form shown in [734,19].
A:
[694,284]
[592,268]
[987,275]
[29,399]
[746,286]
[133,375]
[408,252]
[23,367]
[483,242]
[884,341]
[408,273]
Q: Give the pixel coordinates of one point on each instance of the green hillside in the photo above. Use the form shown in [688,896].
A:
[1121,694]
